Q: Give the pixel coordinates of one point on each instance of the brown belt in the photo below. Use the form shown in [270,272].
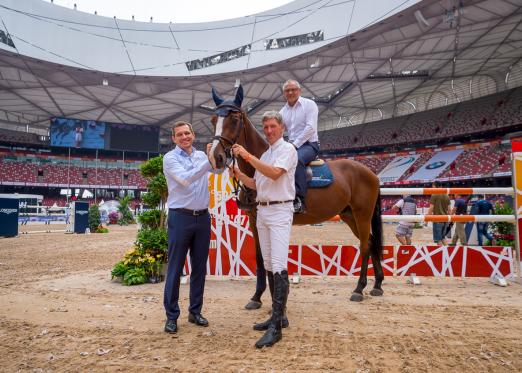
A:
[269,203]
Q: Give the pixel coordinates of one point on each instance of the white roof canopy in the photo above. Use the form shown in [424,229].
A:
[366,65]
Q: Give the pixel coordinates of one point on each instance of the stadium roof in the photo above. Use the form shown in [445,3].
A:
[360,60]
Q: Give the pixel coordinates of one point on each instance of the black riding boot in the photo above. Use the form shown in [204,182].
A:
[273,333]
[264,325]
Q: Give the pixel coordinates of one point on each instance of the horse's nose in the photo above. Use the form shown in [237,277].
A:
[219,160]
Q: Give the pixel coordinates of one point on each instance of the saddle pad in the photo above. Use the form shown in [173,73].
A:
[321,176]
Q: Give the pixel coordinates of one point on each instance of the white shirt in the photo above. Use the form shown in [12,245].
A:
[283,155]
[301,121]
[408,208]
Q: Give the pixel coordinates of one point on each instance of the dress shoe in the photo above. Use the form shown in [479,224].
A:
[197,319]
[171,326]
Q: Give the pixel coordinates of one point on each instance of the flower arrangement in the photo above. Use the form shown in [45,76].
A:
[139,266]
[114,217]
[503,232]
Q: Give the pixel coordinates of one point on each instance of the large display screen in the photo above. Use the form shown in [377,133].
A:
[132,137]
[76,133]
[90,134]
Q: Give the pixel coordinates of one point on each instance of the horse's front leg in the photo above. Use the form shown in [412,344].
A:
[255,301]
[357,295]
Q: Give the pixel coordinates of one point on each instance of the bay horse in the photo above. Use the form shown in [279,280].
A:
[354,194]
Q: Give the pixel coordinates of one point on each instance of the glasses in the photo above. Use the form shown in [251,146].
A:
[291,90]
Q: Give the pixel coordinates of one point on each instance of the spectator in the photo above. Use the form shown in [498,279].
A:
[439,205]
[460,208]
[484,207]
[404,231]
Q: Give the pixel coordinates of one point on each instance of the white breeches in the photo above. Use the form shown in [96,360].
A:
[273,227]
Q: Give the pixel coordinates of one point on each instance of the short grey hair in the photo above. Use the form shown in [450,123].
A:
[272,114]
[291,81]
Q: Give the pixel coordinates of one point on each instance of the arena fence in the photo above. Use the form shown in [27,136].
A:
[10,217]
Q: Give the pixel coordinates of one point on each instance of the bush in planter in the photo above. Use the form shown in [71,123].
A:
[94,218]
[145,261]
[503,232]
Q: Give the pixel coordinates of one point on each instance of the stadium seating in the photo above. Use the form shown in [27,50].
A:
[484,114]
[17,168]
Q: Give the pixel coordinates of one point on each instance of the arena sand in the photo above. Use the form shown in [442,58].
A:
[61,312]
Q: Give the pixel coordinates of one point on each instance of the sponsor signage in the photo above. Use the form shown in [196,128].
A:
[9,208]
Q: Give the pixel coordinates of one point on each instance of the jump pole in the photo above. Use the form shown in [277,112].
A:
[516,150]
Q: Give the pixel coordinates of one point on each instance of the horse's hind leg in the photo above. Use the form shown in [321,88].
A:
[357,295]
[379,274]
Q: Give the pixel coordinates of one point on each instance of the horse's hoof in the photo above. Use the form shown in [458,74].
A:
[253,305]
[356,297]
[376,292]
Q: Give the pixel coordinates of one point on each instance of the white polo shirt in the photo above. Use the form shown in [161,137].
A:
[301,121]
[283,155]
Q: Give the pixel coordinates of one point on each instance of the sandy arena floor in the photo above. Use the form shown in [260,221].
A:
[60,312]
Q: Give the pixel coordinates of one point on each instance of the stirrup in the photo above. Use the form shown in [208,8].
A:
[299,206]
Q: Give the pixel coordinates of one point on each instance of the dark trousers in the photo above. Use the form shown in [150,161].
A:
[260,264]
[482,230]
[305,154]
[186,232]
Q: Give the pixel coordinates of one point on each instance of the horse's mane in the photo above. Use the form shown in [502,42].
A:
[253,141]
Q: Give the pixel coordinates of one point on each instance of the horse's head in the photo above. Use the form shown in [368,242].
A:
[228,125]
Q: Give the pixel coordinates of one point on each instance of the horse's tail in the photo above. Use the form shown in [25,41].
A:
[376,237]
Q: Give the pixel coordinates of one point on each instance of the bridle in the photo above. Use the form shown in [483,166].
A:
[226,108]
[224,141]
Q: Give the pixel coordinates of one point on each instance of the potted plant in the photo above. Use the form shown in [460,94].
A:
[145,261]
[503,232]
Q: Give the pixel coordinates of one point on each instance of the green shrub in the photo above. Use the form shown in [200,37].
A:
[126,217]
[94,218]
[101,229]
[150,219]
[156,239]
[151,198]
[135,276]
[119,270]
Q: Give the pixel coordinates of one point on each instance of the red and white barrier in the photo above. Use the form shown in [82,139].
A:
[232,251]
[448,218]
[431,191]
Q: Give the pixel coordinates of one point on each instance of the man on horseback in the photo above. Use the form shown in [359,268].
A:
[300,119]
[274,182]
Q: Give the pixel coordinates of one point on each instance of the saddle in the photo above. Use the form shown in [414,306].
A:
[318,174]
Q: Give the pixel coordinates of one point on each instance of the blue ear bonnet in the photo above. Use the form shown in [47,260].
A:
[225,108]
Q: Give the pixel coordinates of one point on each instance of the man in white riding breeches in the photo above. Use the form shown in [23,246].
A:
[274,182]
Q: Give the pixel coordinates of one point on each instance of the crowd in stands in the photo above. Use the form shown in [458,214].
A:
[484,114]
[29,167]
